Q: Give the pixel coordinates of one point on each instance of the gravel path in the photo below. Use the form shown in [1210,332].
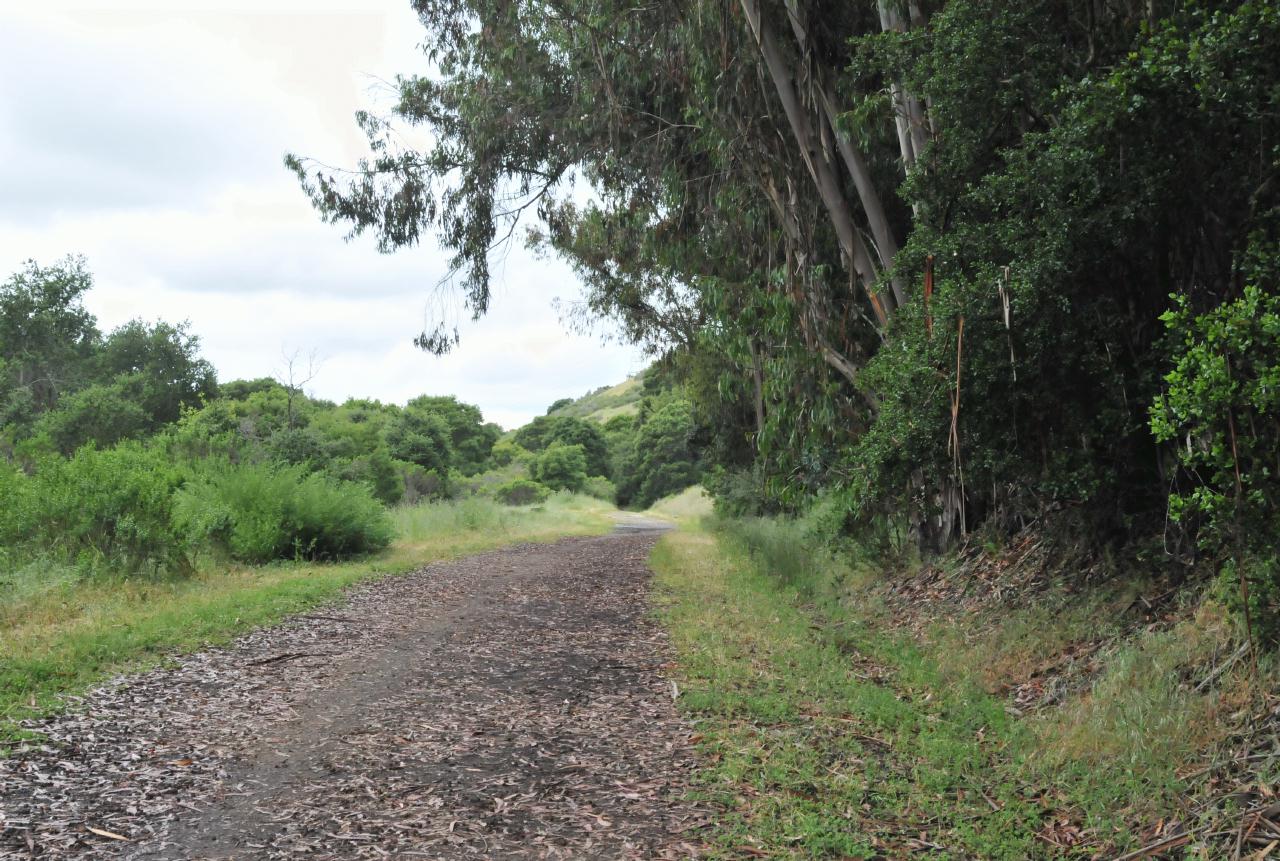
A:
[509,705]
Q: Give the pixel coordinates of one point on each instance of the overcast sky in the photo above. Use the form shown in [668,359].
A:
[149,137]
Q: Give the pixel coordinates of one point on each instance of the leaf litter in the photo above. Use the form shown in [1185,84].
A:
[508,705]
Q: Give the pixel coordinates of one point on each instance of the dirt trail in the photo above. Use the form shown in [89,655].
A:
[509,705]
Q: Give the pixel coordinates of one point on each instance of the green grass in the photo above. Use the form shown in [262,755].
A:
[604,403]
[690,505]
[828,734]
[60,633]
[812,757]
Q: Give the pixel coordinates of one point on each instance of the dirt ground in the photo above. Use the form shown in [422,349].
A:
[509,705]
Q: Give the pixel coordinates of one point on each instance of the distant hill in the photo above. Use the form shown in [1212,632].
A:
[605,402]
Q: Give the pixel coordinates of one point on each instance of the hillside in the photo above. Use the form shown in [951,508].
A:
[602,404]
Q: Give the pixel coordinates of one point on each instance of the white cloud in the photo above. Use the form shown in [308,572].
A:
[149,137]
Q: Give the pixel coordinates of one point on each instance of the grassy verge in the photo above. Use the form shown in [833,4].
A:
[828,733]
[60,634]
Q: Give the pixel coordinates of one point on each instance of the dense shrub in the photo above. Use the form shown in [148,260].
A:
[545,431]
[421,438]
[737,493]
[1222,404]
[663,460]
[261,512]
[422,484]
[300,446]
[1221,407]
[98,509]
[522,491]
[561,467]
[506,452]
[600,487]
[470,437]
[378,472]
[101,414]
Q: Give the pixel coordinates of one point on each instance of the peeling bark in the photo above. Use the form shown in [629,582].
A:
[820,169]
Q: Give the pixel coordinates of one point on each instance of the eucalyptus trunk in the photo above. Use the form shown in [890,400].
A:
[814,154]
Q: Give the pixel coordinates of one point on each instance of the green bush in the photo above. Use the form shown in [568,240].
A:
[738,493]
[522,491]
[97,509]
[546,431]
[662,461]
[561,466]
[1222,407]
[600,487]
[1221,410]
[101,414]
[422,484]
[420,438]
[484,483]
[506,452]
[300,446]
[378,472]
[262,512]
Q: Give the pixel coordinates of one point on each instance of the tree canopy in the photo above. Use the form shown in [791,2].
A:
[926,244]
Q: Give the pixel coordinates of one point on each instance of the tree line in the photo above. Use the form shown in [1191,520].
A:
[122,452]
[957,264]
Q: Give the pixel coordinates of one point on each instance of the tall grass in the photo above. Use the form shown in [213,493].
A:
[789,664]
[812,756]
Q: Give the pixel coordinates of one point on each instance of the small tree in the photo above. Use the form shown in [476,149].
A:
[504,452]
[562,467]
[420,438]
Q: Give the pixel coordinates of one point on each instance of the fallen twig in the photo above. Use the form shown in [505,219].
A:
[287,656]
[1159,846]
[1223,667]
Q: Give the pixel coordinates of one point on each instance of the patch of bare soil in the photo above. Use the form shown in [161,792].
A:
[510,705]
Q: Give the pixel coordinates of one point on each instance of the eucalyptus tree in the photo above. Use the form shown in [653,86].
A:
[928,242]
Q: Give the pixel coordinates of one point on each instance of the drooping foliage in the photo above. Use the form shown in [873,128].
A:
[922,249]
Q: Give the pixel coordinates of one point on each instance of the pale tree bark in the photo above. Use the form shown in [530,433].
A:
[855,164]
[868,194]
[794,236]
[852,246]
[908,112]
